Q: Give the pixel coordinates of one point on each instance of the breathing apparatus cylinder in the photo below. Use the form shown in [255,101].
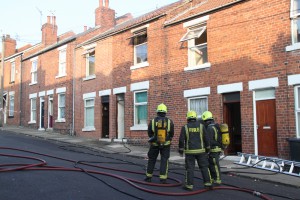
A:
[161,131]
[225,134]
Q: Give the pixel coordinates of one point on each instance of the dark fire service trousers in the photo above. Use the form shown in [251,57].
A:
[202,161]
[214,166]
[164,158]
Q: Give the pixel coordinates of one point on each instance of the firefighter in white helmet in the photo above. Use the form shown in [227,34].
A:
[195,144]
[160,132]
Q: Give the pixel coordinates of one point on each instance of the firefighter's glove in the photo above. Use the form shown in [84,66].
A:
[152,139]
[168,138]
[207,150]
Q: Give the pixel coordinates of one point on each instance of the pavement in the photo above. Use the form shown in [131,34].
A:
[228,163]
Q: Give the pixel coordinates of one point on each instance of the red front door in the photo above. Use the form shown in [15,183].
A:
[266,127]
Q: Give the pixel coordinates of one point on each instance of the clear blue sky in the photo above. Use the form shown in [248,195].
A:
[22,19]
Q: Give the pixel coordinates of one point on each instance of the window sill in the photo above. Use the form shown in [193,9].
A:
[143,127]
[33,83]
[11,116]
[87,129]
[60,120]
[61,75]
[32,122]
[203,66]
[11,82]
[140,65]
[89,77]
[293,47]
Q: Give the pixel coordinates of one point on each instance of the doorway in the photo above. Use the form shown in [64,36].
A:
[120,116]
[266,127]
[42,113]
[50,112]
[105,116]
[232,116]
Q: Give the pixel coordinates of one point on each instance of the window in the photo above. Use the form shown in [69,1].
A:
[33,110]
[89,107]
[140,108]
[61,106]
[34,71]
[139,40]
[198,104]
[11,105]
[12,72]
[295,21]
[297,109]
[197,45]
[90,63]
[62,62]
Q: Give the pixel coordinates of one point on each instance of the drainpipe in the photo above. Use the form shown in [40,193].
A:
[73,93]
[20,90]
[1,82]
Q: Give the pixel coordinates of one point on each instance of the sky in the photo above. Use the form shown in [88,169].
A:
[22,19]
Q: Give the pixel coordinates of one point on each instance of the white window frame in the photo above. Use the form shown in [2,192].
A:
[12,71]
[62,62]
[143,125]
[59,107]
[89,128]
[190,36]
[34,66]
[195,98]
[297,110]
[33,110]
[294,16]
[11,104]
[87,69]
[140,31]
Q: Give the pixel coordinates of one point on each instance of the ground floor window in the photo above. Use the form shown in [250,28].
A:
[198,104]
[89,107]
[140,107]
[61,106]
[11,105]
[33,110]
[297,109]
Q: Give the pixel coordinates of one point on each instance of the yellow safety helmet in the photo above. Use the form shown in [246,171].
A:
[162,108]
[207,115]
[191,115]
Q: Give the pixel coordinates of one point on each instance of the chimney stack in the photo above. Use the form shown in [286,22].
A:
[104,16]
[49,31]
[10,46]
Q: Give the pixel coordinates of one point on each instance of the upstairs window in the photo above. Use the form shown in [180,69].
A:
[196,39]
[295,21]
[34,71]
[12,72]
[140,47]
[197,45]
[90,63]
[62,62]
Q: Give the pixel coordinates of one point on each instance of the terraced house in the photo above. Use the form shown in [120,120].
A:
[236,58]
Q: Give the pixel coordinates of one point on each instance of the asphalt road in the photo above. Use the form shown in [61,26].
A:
[32,168]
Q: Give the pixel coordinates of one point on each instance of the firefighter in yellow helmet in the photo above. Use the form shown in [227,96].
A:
[160,132]
[194,143]
[215,139]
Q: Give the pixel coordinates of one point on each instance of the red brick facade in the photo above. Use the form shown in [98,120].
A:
[248,48]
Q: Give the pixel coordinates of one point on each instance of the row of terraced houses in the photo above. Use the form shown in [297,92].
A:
[240,59]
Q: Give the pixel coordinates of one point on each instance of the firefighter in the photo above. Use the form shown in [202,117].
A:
[194,143]
[160,132]
[215,139]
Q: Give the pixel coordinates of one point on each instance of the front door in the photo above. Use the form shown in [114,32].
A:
[266,127]
[105,116]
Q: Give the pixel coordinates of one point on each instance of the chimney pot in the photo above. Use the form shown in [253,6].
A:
[107,3]
[100,3]
[48,19]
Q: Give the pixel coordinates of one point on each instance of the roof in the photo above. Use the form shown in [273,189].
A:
[135,22]
[195,8]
